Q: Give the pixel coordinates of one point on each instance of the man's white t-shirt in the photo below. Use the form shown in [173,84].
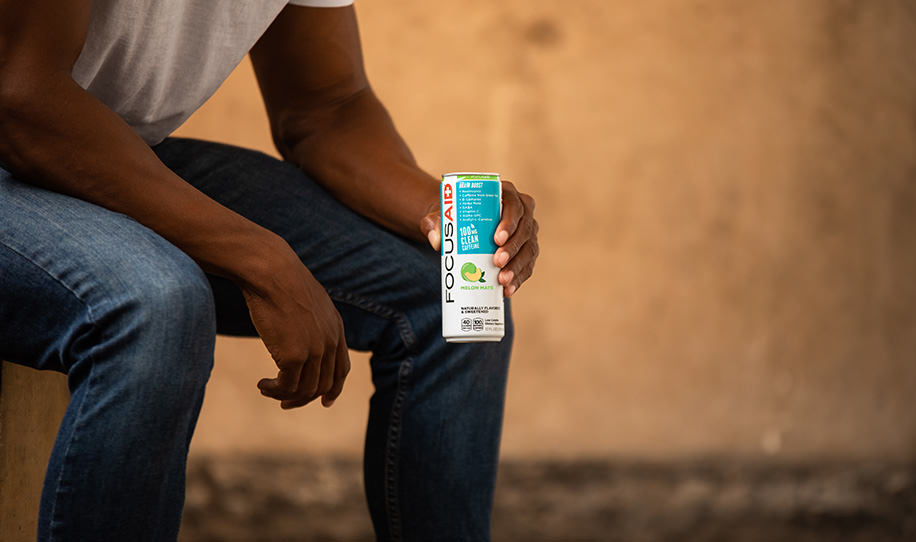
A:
[154,62]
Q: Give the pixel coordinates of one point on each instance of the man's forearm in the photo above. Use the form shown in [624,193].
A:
[353,149]
[63,139]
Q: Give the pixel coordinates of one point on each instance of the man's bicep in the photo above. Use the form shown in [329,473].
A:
[310,58]
[38,37]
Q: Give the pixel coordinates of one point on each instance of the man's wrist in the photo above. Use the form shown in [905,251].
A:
[355,152]
[426,201]
[260,255]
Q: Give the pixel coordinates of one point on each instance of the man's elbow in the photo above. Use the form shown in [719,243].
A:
[293,131]
[14,97]
[26,101]
[20,89]
[298,128]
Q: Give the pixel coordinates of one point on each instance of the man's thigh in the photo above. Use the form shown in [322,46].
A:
[67,265]
[358,261]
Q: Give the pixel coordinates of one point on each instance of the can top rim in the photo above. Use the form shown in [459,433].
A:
[456,173]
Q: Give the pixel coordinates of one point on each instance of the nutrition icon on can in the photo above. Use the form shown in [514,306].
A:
[472,298]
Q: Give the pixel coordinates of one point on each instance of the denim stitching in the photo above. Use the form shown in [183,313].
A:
[392,447]
[360,302]
[392,451]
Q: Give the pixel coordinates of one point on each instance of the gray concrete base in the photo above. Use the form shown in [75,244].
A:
[293,498]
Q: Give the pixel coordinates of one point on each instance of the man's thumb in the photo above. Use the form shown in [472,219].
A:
[430,228]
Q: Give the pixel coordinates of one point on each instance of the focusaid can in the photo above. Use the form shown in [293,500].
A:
[472,298]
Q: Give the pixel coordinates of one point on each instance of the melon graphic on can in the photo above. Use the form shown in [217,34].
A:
[472,273]
[472,299]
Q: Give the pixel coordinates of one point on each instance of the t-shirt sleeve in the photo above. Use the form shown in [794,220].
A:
[321,3]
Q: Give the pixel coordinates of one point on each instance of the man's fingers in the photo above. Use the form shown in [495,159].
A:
[429,225]
[341,370]
[308,388]
[284,385]
[323,379]
[513,211]
[306,391]
[327,371]
[527,230]
[519,268]
[516,236]
[287,404]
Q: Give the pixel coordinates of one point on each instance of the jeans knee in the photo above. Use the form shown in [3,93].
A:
[176,301]
[161,324]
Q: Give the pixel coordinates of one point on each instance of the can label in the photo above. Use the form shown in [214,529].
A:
[472,298]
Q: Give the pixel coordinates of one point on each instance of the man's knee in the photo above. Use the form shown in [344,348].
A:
[159,322]
[173,299]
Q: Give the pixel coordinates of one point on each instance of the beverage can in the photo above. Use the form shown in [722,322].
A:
[472,298]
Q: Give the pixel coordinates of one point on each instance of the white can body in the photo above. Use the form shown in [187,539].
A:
[472,298]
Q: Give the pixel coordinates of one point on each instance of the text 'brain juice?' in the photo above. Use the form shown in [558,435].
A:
[472,298]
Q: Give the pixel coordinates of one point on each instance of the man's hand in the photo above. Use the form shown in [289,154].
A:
[516,236]
[303,332]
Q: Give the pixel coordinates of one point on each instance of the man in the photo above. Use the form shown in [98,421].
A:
[123,251]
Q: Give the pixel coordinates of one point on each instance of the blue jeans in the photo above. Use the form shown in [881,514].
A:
[131,320]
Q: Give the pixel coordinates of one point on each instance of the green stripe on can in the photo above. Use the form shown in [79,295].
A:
[477,177]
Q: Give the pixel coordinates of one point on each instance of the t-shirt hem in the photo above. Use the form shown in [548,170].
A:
[321,3]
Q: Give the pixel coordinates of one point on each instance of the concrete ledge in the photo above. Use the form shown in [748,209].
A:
[32,404]
[273,498]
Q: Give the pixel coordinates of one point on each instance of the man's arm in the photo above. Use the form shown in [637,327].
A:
[56,135]
[325,118]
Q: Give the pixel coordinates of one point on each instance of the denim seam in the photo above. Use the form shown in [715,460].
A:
[392,446]
[54,523]
[392,451]
[364,303]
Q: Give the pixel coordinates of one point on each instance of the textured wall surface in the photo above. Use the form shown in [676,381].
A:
[727,193]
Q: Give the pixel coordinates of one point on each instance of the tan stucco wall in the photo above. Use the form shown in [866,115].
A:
[726,192]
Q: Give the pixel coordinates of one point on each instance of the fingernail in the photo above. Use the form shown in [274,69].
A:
[510,290]
[501,237]
[433,237]
[506,276]
[501,258]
